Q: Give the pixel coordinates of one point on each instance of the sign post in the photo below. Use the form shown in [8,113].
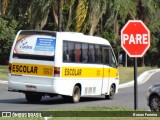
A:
[135,40]
[135,85]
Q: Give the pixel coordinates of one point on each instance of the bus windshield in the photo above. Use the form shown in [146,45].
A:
[35,45]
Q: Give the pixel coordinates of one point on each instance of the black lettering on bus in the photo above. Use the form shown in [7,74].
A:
[28,70]
[31,70]
[77,72]
[24,68]
[17,68]
[20,68]
[68,72]
[80,71]
[65,71]
[13,68]
[35,69]
[73,72]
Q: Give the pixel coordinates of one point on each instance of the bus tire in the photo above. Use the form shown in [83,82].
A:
[111,93]
[76,94]
[33,97]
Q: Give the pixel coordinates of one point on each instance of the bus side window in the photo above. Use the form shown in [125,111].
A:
[71,51]
[77,52]
[106,56]
[84,53]
[98,54]
[113,60]
[65,52]
[91,53]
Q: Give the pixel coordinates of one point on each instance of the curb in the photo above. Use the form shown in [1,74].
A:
[3,82]
[141,79]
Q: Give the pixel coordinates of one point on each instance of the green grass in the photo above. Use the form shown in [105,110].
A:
[115,112]
[127,73]
[3,72]
[93,109]
[109,112]
[85,118]
[21,118]
[105,118]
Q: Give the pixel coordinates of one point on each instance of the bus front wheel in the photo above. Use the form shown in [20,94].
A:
[111,93]
[76,94]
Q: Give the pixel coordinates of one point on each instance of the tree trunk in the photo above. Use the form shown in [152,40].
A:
[101,25]
[44,21]
[69,19]
[93,27]
[116,28]
[131,15]
[143,65]
[60,15]
[94,24]
[0,8]
[55,16]
[3,6]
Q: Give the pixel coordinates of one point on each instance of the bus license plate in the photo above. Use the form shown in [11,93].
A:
[30,88]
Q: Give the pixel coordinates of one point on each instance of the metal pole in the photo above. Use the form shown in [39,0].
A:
[135,84]
[125,59]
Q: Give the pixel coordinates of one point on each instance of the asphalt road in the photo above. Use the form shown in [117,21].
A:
[11,101]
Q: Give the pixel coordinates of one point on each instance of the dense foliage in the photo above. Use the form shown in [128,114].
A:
[103,18]
[7,34]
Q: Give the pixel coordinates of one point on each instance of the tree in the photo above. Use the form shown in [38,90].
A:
[94,17]
[7,34]
[97,9]
[145,12]
[80,14]
[117,12]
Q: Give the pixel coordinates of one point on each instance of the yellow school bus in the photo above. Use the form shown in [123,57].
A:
[69,64]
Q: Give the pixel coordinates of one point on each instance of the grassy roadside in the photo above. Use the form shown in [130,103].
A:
[114,113]
[3,72]
[127,73]
[83,118]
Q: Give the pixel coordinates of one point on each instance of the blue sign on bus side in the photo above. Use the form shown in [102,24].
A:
[45,44]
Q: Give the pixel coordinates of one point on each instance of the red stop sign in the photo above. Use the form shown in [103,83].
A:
[135,38]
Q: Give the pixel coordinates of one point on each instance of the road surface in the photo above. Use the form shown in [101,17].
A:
[12,101]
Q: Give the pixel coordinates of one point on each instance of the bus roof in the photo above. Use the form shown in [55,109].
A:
[72,36]
[80,37]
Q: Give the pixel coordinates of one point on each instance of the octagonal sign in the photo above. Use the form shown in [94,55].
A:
[135,38]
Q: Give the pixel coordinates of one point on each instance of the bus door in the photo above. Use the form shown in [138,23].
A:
[106,69]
